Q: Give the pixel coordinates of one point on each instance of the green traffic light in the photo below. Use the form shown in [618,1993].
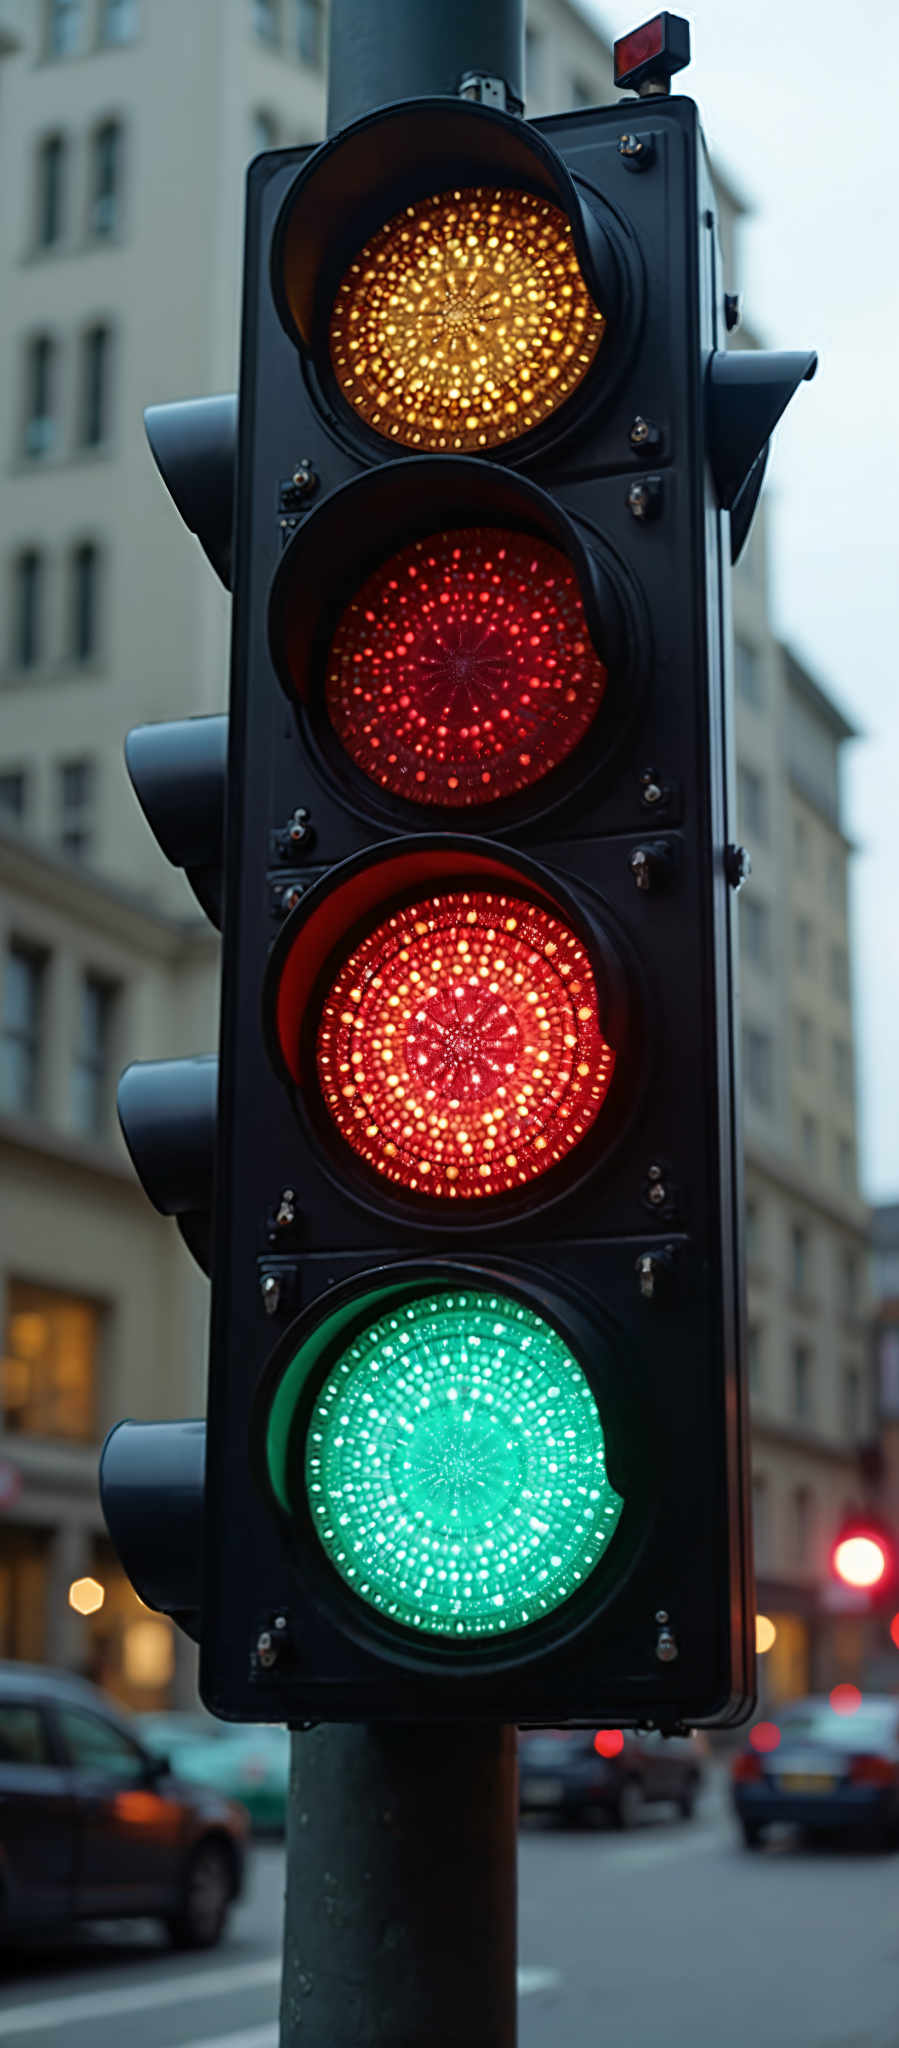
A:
[455,1466]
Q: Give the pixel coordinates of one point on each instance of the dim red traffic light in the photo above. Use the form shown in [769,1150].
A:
[462,671]
[862,1558]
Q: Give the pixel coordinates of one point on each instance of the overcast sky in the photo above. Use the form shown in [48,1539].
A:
[801,108]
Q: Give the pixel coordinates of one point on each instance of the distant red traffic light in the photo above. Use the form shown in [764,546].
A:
[862,1558]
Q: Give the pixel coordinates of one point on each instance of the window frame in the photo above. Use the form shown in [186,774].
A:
[28,1036]
[95,1061]
[84,602]
[39,411]
[49,188]
[104,218]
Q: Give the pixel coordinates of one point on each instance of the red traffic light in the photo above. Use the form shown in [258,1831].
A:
[862,1558]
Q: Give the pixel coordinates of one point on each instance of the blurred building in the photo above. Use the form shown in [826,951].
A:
[125,129]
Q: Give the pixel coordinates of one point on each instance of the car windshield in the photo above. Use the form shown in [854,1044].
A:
[870,1725]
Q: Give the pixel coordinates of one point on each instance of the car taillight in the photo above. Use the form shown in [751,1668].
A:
[746,1769]
[871,1770]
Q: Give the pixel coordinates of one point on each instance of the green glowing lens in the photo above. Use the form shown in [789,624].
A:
[455,1466]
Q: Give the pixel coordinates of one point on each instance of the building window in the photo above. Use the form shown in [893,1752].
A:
[842,1068]
[851,1284]
[51,169]
[755,1357]
[755,932]
[85,582]
[803,1513]
[802,847]
[846,1165]
[806,1041]
[309,17]
[50,1363]
[96,356]
[808,1139]
[76,782]
[265,20]
[26,615]
[759,1065]
[21,1021]
[839,971]
[748,673]
[853,1420]
[118,21]
[106,180]
[91,1069]
[13,793]
[40,395]
[63,32]
[802,1381]
[753,803]
[804,944]
[800,1259]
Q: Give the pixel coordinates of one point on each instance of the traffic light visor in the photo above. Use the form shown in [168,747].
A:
[446,1451]
[464,321]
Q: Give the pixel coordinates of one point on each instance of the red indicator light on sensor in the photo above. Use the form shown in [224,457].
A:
[459,1049]
[652,52]
[462,671]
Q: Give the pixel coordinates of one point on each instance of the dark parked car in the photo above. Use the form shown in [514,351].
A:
[570,1772]
[819,1767]
[93,1825]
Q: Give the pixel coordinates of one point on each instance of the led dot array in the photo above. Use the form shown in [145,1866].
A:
[459,1048]
[455,1467]
[464,321]
[462,670]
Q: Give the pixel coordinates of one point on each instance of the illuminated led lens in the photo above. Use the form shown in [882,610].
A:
[455,1467]
[464,321]
[463,670]
[459,1048]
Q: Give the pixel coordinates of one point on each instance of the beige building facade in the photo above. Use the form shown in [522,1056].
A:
[125,130]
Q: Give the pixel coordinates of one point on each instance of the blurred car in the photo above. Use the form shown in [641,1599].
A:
[820,1768]
[563,1772]
[251,1764]
[94,1825]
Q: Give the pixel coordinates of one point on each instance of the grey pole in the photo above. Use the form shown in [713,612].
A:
[385,50]
[400,1914]
[400,1926]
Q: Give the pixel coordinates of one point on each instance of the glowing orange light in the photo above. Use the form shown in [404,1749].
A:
[845,1699]
[860,1560]
[764,1737]
[459,1048]
[608,1742]
[463,670]
[765,1634]
[86,1596]
[464,321]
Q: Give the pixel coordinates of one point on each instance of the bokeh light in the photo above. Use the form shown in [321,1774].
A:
[845,1699]
[765,1634]
[608,1742]
[86,1596]
[459,1047]
[462,671]
[860,1560]
[894,1630]
[455,1466]
[464,321]
[764,1737]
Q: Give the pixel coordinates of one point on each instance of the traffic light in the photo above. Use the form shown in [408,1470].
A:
[863,1556]
[476,1435]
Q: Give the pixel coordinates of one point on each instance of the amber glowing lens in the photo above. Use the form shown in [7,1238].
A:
[459,1047]
[463,671]
[465,321]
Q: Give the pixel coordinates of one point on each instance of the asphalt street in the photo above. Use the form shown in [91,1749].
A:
[672,1933]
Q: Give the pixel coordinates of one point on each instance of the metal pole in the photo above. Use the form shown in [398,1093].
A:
[385,50]
[400,1924]
[400,1915]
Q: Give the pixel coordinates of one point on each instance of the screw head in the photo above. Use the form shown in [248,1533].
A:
[657,1193]
[651,792]
[662,1615]
[629,145]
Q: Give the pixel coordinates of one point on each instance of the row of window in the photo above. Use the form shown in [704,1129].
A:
[43,411]
[756,942]
[802,1530]
[802,1389]
[75,797]
[72,27]
[294,28]
[804,1254]
[23,1033]
[28,641]
[53,222]
[806,1047]
[805,861]
[758,1079]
